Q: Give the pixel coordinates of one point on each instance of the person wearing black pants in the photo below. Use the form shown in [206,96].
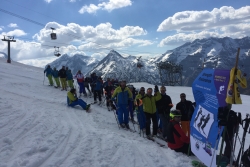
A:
[164,106]
[108,94]
[97,90]
[150,117]
[149,107]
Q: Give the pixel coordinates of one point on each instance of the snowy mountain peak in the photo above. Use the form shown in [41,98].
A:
[75,63]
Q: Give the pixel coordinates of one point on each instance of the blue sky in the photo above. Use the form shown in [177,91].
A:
[144,28]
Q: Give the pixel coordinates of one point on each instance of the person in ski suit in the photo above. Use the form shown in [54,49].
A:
[93,79]
[86,85]
[69,77]
[108,94]
[139,108]
[106,82]
[49,72]
[149,108]
[56,78]
[122,95]
[176,138]
[187,109]
[131,104]
[80,80]
[62,75]
[97,86]
[164,106]
[72,100]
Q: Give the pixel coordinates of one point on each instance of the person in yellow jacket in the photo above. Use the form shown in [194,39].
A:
[122,95]
[72,100]
[149,108]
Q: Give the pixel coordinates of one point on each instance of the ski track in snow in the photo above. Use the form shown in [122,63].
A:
[38,129]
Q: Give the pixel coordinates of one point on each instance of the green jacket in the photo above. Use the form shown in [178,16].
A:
[149,105]
[71,97]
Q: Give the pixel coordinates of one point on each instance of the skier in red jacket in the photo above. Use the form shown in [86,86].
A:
[177,140]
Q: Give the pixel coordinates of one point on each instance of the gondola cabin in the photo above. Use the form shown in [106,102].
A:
[53,35]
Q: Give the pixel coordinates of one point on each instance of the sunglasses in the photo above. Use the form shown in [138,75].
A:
[183,96]
[142,90]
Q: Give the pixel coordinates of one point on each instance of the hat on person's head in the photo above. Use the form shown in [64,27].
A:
[175,113]
[72,90]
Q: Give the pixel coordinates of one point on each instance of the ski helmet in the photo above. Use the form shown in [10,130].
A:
[175,113]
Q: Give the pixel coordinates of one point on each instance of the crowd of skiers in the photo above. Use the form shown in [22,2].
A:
[150,106]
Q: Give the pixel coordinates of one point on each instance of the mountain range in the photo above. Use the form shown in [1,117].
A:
[219,53]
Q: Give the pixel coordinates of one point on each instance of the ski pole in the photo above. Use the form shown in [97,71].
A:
[247,121]
[216,143]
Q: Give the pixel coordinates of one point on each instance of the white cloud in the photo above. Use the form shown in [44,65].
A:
[1,29]
[72,0]
[12,25]
[48,1]
[16,32]
[108,6]
[99,55]
[95,38]
[205,20]
[86,39]
[181,38]
[191,25]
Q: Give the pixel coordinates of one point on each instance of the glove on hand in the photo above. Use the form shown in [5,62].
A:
[156,88]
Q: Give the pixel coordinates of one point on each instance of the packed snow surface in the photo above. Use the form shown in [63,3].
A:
[38,129]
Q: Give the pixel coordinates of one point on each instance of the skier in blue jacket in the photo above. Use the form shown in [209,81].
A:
[123,95]
[98,86]
[48,72]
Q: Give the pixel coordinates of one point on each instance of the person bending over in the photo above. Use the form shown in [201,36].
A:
[177,139]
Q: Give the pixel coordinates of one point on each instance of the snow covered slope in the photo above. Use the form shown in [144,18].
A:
[38,129]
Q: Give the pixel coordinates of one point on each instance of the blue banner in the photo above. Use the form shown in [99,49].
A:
[209,90]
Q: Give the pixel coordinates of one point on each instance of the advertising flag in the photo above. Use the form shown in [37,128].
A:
[210,91]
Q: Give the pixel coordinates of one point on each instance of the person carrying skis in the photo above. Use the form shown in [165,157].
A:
[139,108]
[177,139]
[80,80]
[49,72]
[187,109]
[122,95]
[108,94]
[55,76]
[164,106]
[62,75]
[149,107]
[97,86]
[69,78]
[72,100]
